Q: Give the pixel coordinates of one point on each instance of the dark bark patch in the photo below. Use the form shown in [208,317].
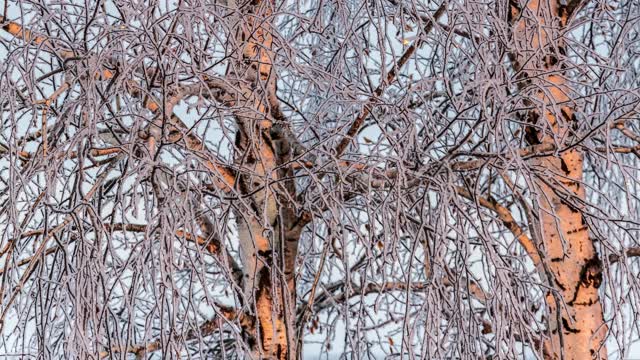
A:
[531,135]
[552,60]
[588,303]
[591,273]
[264,253]
[281,353]
[564,167]
[251,341]
[567,115]
[567,327]
[580,229]
[514,11]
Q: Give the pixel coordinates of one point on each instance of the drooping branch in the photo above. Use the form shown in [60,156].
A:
[212,245]
[391,76]
[48,235]
[508,221]
[215,87]
[224,314]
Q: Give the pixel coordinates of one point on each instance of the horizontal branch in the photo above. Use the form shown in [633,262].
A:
[547,149]
[325,299]
[631,252]
[529,151]
[74,154]
[207,328]
[24,34]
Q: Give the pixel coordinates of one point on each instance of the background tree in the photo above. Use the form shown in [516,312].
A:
[295,179]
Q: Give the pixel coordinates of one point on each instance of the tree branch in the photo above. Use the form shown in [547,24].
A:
[631,252]
[213,246]
[508,221]
[207,328]
[225,178]
[391,76]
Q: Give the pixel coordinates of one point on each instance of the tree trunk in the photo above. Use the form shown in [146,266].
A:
[576,327]
[267,249]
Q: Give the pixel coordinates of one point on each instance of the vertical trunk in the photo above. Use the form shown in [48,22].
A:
[576,326]
[267,257]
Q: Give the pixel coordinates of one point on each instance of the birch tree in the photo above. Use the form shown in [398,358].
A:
[269,179]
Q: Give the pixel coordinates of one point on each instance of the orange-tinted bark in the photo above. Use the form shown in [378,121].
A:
[261,219]
[576,327]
